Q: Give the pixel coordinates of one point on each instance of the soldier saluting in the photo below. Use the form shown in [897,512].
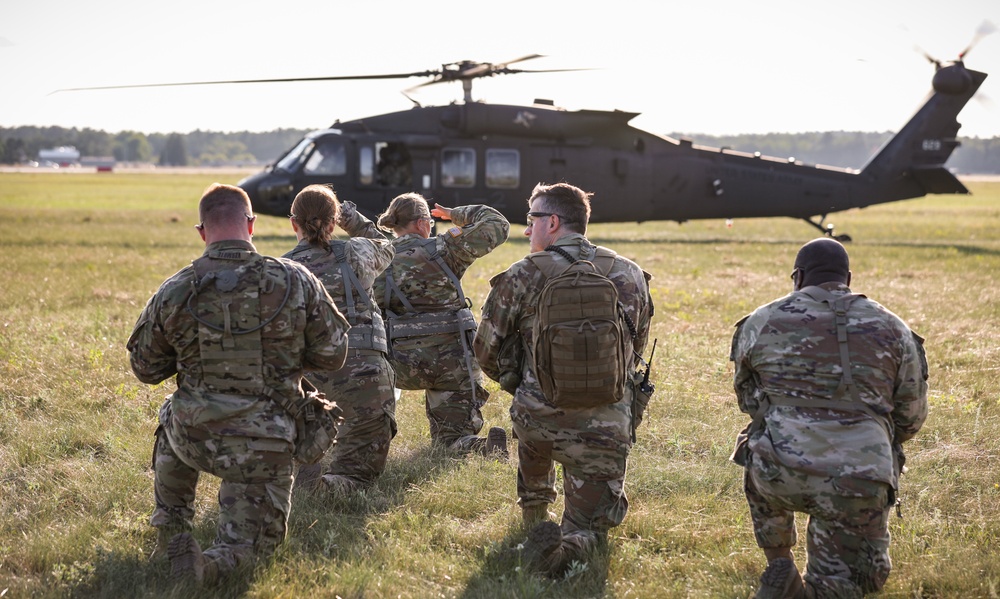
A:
[428,318]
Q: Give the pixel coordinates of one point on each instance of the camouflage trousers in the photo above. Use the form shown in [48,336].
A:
[363,389]
[254,497]
[593,483]
[456,419]
[437,364]
[847,538]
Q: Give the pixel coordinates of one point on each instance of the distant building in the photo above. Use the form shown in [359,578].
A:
[61,156]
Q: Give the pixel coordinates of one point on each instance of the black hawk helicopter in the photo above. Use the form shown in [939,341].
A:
[477,153]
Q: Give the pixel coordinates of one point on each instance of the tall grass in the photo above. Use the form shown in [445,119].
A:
[82,253]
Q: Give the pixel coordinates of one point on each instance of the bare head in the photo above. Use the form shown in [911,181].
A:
[315,211]
[226,213]
[555,211]
[822,260]
[407,213]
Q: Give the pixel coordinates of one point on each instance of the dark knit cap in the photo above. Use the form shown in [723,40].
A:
[823,260]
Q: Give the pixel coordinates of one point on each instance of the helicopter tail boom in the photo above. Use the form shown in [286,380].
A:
[912,163]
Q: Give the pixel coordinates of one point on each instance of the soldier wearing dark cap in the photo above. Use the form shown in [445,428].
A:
[238,329]
[835,384]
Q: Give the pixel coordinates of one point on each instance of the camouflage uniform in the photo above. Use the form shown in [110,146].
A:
[440,363]
[253,326]
[363,388]
[591,444]
[839,464]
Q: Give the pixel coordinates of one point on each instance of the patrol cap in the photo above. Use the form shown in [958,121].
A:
[823,259]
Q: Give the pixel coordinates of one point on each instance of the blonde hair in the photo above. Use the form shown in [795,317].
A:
[403,210]
[223,204]
[314,209]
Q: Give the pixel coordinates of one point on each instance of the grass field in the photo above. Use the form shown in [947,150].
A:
[82,253]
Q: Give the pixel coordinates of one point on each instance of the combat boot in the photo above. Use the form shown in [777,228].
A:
[187,562]
[307,477]
[339,485]
[543,551]
[163,536]
[781,580]
[531,515]
[496,444]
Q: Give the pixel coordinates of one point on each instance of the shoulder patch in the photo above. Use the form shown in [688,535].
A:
[455,231]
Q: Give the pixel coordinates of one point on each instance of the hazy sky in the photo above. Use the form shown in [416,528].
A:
[710,66]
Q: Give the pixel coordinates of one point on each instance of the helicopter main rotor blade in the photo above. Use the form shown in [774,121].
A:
[284,80]
[515,71]
[522,59]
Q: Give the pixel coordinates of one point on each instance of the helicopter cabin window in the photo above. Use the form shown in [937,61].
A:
[366,165]
[329,158]
[458,167]
[395,168]
[503,169]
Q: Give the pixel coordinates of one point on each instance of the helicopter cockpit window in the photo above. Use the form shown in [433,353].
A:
[503,169]
[291,161]
[458,167]
[329,158]
[394,167]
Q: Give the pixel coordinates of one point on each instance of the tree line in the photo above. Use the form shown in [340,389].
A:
[197,148]
[846,149]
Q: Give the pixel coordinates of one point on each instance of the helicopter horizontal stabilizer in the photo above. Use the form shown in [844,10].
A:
[938,180]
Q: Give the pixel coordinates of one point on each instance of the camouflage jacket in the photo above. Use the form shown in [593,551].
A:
[509,313]
[368,253]
[477,230]
[789,348]
[306,333]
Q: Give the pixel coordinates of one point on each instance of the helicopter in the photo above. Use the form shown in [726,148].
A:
[472,152]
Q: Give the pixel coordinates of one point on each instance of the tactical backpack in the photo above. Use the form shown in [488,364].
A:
[579,352]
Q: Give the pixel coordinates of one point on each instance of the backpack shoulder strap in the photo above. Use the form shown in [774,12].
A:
[603,258]
[546,262]
[348,277]
[840,304]
[430,246]
[392,289]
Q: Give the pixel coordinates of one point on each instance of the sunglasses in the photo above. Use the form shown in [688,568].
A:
[533,215]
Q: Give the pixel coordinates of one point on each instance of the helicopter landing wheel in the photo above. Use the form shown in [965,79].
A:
[827,229]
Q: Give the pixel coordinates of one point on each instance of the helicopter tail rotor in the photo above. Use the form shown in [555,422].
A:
[985,28]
